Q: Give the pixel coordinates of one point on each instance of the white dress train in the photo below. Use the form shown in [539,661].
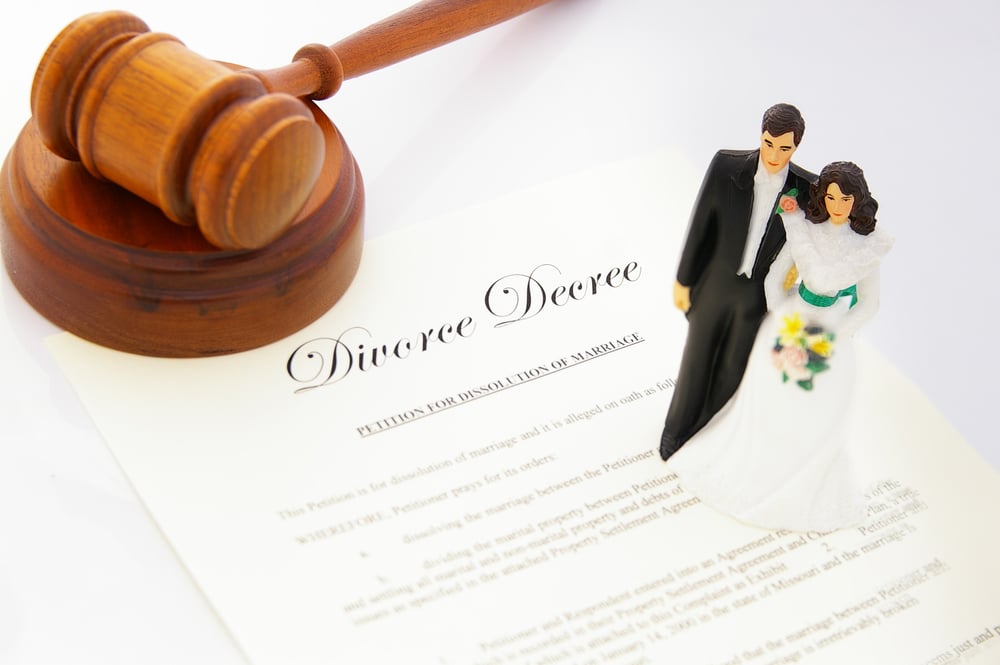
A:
[775,456]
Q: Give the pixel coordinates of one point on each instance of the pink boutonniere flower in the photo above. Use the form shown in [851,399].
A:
[787,202]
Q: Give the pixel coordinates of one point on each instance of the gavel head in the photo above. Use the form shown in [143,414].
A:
[207,144]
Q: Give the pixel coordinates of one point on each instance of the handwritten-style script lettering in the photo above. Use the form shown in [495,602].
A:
[326,360]
[517,296]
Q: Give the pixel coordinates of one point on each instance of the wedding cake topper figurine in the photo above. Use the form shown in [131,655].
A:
[734,236]
[776,455]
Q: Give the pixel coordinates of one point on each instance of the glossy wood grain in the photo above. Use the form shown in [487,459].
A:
[233,152]
[164,204]
[104,264]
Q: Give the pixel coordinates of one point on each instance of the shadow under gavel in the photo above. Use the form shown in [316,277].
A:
[234,151]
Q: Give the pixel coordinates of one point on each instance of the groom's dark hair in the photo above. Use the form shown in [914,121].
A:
[781,119]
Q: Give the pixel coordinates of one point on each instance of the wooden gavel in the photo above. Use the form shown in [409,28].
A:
[234,151]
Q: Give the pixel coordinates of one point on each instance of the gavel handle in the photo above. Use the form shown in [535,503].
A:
[317,71]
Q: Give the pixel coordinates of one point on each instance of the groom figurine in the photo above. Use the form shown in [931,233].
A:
[733,237]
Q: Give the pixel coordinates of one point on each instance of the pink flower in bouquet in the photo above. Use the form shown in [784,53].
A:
[792,361]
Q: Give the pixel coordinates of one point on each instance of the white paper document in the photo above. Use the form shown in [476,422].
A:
[458,465]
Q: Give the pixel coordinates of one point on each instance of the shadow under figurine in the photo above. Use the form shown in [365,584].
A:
[776,456]
[734,236]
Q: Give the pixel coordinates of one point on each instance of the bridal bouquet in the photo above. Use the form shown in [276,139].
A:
[801,352]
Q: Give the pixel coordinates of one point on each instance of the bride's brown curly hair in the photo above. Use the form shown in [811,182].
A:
[851,180]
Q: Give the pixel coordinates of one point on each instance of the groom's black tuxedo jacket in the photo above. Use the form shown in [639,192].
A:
[726,309]
[721,219]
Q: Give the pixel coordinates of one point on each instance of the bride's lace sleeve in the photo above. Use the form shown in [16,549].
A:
[868,302]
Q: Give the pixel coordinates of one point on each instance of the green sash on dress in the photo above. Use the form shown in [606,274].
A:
[818,300]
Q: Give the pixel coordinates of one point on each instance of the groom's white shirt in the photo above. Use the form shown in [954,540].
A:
[766,188]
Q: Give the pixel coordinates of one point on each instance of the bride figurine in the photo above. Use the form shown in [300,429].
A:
[776,455]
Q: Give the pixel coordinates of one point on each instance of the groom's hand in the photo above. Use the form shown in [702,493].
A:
[682,297]
[791,277]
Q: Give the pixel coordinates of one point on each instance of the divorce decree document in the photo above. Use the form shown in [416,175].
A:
[457,465]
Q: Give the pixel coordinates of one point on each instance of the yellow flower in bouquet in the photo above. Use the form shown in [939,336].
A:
[801,351]
[793,330]
[820,344]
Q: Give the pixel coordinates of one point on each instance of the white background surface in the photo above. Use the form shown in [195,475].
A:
[906,90]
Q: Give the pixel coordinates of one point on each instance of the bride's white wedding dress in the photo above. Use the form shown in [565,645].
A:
[775,456]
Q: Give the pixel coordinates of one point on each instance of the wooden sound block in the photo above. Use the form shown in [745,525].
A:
[111,268]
